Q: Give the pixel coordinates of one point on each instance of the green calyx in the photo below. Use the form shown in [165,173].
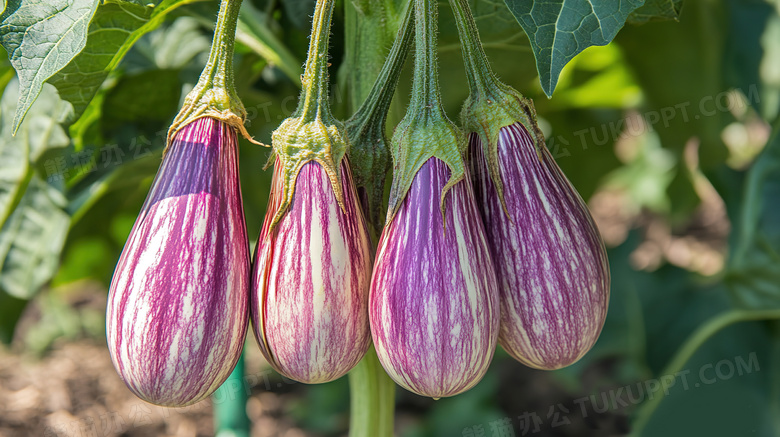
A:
[297,142]
[488,112]
[491,105]
[425,131]
[312,133]
[214,95]
[369,154]
[419,137]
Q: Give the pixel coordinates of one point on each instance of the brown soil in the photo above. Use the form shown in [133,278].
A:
[74,391]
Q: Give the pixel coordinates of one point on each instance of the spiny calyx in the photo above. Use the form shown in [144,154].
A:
[299,140]
[208,100]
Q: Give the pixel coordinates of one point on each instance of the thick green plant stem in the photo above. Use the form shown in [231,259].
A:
[377,98]
[369,153]
[230,418]
[691,345]
[372,392]
[369,27]
[372,399]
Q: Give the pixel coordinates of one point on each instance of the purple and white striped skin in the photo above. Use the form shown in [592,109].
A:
[178,304]
[550,260]
[309,299]
[434,299]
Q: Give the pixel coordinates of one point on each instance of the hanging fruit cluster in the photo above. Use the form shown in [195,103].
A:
[485,241]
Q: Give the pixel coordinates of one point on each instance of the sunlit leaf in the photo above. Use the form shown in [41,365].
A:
[31,240]
[41,37]
[116,27]
[560,29]
[40,131]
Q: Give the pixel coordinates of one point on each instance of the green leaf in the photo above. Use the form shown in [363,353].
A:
[753,276]
[680,96]
[116,27]
[6,70]
[655,10]
[40,132]
[31,240]
[151,3]
[41,37]
[14,173]
[560,29]
[32,223]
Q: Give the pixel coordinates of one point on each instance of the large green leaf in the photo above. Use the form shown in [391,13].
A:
[31,240]
[41,37]
[679,66]
[33,224]
[117,25]
[560,29]
[14,166]
[753,274]
[40,132]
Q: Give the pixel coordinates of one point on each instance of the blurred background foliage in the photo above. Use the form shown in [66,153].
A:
[667,132]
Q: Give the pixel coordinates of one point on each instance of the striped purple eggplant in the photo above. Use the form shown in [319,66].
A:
[550,260]
[178,304]
[434,299]
[311,277]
